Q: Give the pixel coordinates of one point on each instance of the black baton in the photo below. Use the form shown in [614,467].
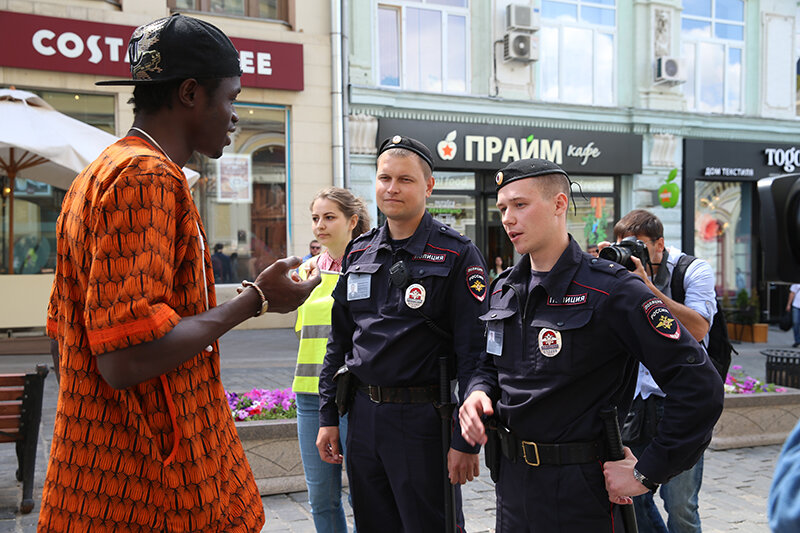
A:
[616,453]
[445,408]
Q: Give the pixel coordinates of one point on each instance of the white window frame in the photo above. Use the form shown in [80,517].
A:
[727,45]
[563,63]
[402,6]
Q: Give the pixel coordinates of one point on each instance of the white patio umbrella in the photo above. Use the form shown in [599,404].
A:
[39,143]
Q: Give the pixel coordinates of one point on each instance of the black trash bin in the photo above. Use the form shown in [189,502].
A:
[783,367]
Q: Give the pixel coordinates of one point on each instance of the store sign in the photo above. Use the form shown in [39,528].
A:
[738,161]
[787,159]
[67,45]
[482,146]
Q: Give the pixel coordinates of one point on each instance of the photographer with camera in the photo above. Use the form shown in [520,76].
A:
[640,248]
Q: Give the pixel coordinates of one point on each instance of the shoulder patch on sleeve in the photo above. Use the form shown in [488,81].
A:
[661,319]
[476,282]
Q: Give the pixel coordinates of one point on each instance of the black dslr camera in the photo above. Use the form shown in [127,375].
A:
[623,251]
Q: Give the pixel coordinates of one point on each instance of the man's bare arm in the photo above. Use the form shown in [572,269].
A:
[136,364]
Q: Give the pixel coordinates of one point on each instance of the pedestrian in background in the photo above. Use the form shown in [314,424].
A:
[565,332]
[314,249]
[337,216]
[144,439]
[411,291]
[793,305]
[497,269]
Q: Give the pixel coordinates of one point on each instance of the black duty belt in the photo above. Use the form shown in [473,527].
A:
[571,453]
[424,394]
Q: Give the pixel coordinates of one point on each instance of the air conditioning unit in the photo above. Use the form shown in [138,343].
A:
[522,17]
[669,70]
[520,46]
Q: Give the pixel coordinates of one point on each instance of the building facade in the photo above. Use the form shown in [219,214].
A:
[622,94]
[253,200]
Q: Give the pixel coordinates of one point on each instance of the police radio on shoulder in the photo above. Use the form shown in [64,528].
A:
[652,487]
[264,302]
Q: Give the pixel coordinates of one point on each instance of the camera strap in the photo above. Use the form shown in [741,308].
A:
[661,279]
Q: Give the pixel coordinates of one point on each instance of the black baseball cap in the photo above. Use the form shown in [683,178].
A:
[526,168]
[398,141]
[178,48]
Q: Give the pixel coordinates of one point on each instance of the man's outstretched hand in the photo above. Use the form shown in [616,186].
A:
[283,292]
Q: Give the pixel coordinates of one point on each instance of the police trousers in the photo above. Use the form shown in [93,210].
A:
[554,499]
[395,467]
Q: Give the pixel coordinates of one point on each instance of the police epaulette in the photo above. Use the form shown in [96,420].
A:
[444,229]
[606,266]
[366,235]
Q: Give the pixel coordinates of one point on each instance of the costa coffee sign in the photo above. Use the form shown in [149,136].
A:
[66,45]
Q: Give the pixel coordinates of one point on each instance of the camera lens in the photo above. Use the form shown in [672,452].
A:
[618,254]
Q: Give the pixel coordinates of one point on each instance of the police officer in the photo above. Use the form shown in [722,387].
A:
[565,331]
[412,291]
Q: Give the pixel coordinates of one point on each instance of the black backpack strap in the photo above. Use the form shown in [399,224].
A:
[678,274]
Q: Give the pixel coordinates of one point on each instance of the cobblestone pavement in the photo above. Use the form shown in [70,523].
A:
[735,482]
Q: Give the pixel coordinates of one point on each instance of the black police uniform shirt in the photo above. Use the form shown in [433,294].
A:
[557,356]
[378,333]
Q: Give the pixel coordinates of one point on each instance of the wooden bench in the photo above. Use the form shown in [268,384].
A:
[20,415]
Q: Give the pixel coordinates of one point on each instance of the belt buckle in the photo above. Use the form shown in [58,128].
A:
[372,394]
[535,451]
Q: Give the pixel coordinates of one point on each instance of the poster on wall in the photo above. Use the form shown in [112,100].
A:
[235,179]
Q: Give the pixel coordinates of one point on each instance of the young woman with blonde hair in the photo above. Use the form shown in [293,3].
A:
[337,216]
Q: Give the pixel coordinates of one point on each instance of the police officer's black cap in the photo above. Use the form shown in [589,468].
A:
[526,168]
[398,141]
[178,48]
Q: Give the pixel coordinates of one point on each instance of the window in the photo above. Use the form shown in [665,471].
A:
[577,46]
[596,205]
[712,32]
[265,9]
[423,45]
[723,233]
[38,203]
[242,195]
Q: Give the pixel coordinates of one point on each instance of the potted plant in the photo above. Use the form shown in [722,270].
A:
[743,321]
[266,421]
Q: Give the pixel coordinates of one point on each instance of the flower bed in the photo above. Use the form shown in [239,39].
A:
[266,421]
[738,383]
[262,404]
[755,413]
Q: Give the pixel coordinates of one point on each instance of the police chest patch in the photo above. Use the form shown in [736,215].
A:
[661,319]
[433,258]
[476,282]
[568,299]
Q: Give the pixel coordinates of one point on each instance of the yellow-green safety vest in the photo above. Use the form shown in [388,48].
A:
[313,325]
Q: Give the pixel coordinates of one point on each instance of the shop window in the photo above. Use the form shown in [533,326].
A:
[712,33]
[265,9]
[577,52]
[38,203]
[423,45]
[242,195]
[723,231]
[453,202]
[591,220]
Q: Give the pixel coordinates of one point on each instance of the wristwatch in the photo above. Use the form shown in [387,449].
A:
[652,487]
[264,302]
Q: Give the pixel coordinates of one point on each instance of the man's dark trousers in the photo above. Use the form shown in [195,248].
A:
[394,464]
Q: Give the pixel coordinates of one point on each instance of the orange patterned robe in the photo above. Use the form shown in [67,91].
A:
[163,455]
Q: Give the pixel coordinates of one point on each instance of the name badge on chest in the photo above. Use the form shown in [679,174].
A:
[358,286]
[494,339]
